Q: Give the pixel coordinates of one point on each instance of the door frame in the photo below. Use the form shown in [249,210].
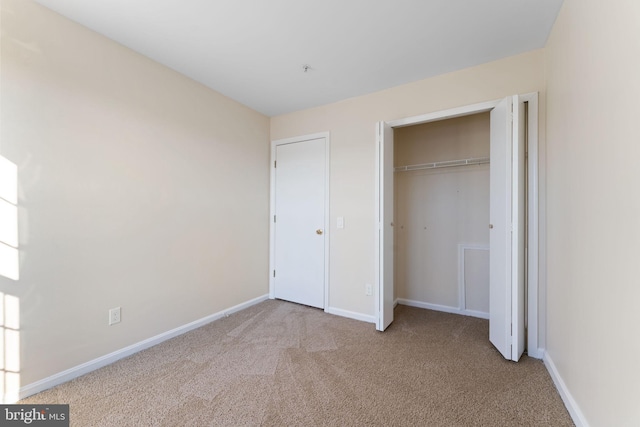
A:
[272,208]
[535,305]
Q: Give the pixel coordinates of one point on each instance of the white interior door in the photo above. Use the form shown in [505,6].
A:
[299,222]
[385,227]
[506,237]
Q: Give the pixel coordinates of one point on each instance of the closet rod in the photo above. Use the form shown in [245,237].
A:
[444,164]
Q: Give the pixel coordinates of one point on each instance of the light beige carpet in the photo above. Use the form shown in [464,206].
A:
[282,364]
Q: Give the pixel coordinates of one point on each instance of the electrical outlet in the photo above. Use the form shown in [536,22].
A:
[114,316]
[368,289]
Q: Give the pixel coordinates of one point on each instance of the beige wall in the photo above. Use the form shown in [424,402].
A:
[353,147]
[138,188]
[442,140]
[593,69]
[438,209]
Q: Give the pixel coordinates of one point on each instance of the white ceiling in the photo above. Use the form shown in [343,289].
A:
[254,50]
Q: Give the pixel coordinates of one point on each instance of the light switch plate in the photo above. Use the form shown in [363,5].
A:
[340,222]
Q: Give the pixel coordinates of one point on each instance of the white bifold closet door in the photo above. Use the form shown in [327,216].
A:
[507,227]
[385,299]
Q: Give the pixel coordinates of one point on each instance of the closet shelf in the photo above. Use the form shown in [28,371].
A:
[444,164]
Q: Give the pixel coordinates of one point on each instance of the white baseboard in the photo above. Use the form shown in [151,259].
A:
[92,365]
[443,308]
[474,313]
[536,353]
[572,406]
[351,314]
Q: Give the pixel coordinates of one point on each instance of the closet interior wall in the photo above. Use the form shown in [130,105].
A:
[442,216]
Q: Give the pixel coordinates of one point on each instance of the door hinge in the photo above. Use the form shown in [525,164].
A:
[274,273]
[274,163]
[274,218]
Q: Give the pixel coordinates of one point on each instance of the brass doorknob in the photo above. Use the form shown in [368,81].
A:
[319,231]
[490,225]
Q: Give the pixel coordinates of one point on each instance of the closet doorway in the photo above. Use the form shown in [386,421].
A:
[436,220]
[441,215]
